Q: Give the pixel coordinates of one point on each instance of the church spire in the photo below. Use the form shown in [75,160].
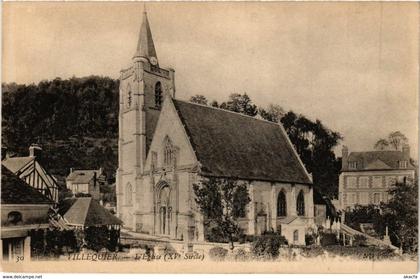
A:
[145,45]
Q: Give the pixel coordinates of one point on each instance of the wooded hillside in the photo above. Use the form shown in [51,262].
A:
[75,121]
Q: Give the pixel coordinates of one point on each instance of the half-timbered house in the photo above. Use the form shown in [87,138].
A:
[31,171]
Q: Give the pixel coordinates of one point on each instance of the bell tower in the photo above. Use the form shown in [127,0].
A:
[143,87]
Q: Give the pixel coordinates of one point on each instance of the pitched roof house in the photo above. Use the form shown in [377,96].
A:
[22,209]
[167,145]
[86,212]
[366,177]
[86,182]
[31,171]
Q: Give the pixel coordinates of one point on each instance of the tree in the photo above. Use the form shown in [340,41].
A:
[240,103]
[314,143]
[395,141]
[400,214]
[222,202]
[214,103]
[199,99]
[381,144]
[273,113]
[366,214]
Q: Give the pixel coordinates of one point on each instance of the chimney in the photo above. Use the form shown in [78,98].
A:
[344,157]
[35,150]
[406,151]
[71,170]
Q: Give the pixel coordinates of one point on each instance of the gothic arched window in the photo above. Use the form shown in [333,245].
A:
[281,204]
[168,153]
[300,204]
[129,194]
[158,94]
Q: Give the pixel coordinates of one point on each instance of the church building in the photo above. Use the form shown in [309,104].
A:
[166,145]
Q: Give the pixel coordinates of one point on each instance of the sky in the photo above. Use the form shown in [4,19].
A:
[354,66]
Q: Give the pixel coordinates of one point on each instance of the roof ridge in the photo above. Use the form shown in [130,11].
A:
[226,110]
[285,167]
[76,203]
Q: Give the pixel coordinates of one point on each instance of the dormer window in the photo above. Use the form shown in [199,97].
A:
[352,165]
[402,164]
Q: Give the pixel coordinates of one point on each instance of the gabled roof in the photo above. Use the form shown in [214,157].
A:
[14,164]
[16,191]
[88,212]
[375,160]
[82,176]
[229,144]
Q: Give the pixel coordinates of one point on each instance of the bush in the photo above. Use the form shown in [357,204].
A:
[328,239]
[53,242]
[365,253]
[309,239]
[242,255]
[37,243]
[267,245]
[97,238]
[213,233]
[218,253]
[245,238]
[359,240]
[310,252]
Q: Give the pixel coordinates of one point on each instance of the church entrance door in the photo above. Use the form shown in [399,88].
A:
[165,211]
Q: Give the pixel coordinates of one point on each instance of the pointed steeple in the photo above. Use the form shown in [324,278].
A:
[145,45]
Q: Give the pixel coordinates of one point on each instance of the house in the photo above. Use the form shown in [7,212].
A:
[31,171]
[166,145]
[86,182]
[23,209]
[366,177]
[86,215]
[86,212]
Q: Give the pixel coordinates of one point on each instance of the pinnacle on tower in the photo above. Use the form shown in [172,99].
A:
[145,45]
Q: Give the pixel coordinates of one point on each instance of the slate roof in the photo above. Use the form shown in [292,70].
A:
[82,176]
[88,212]
[229,144]
[16,191]
[14,164]
[145,45]
[377,160]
